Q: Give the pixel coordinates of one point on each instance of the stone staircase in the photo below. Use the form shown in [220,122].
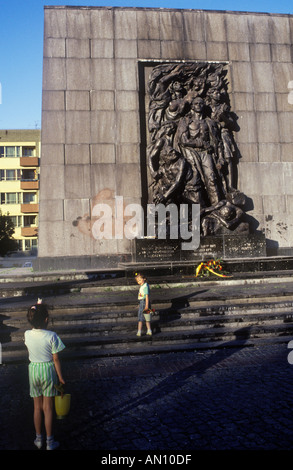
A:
[187,318]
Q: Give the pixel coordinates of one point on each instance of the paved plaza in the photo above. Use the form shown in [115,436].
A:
[214,400]
[172,403]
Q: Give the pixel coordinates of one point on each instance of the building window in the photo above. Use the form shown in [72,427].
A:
[29,220]
[10,198]
[29,197]
[16,220]
[19,242]
[28,151]
[10,151]
[10,175]
[30,243]
[14,151]
[29,175]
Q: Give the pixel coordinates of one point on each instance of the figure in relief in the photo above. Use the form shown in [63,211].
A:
[192,153]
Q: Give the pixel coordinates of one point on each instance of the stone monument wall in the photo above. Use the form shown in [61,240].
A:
[96,65]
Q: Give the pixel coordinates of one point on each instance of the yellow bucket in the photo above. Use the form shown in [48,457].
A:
[62,405]
[147,316]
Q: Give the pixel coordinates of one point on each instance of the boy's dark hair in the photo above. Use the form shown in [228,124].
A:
[37,315]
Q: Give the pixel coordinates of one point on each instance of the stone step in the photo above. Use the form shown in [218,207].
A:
[113,313]
[87,318]
[66,329]
[102,323]
[170,298]
[125,344]
[163,322]
[37,285]
[82,339]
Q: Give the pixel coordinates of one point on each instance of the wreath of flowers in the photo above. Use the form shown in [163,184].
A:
[210,267]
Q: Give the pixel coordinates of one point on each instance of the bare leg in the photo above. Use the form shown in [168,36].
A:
[38,414]
[48,414]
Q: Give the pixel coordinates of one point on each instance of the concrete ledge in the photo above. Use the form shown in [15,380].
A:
[85,263]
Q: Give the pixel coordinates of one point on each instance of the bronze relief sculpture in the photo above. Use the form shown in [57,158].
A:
[191,153]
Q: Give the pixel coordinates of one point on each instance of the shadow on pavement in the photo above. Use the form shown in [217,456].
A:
[175,380]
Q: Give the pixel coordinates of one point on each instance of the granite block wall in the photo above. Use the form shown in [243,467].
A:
[95,67]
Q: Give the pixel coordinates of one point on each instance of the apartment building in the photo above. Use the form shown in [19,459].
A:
[19,183]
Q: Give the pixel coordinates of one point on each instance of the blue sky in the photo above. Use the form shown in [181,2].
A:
[21,47]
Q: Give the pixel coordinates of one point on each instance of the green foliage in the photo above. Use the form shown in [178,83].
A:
[7,242]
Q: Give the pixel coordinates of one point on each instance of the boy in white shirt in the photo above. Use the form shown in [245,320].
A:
[44,371]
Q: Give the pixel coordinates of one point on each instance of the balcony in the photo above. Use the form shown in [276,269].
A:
[29,231]
[29,161]
[29,184]
[30,208]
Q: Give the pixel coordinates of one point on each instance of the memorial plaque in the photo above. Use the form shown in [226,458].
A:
[244,246]
[210,248]
[215,247]
[152,250]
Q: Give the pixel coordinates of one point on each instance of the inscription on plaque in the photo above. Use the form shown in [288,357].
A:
[157,250]
[245,246]
[221,247]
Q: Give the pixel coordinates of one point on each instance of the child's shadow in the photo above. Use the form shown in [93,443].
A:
[5,330]
[173,312]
